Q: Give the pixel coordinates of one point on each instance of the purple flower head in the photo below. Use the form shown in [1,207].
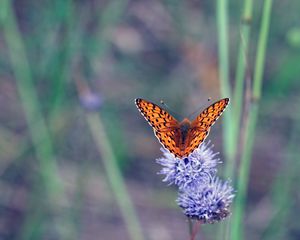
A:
[192,171]
[207,203]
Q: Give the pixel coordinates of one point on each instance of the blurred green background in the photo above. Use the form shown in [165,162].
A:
[77,160]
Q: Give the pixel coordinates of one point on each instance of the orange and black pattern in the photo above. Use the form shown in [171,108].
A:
[180,138]
[209,116]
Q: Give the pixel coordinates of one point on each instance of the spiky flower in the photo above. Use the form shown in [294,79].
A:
[190,172]
[208,203]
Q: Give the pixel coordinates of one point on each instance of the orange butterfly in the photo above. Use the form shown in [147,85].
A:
[180,138]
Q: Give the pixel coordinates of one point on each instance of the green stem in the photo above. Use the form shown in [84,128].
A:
[240,77]
[242,181]
[250,125]
[64,56]
[246,21]
[261,50]
[114,175]
[222,22]
[29,99]
[38,130]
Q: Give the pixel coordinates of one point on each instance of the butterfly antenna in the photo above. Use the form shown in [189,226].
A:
[169,109]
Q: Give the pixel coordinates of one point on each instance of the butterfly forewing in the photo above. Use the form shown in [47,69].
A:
[164,125]
[201,125]
[157,117]
[209,116]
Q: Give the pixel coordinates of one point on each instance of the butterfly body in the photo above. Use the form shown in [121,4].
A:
[180,138]
[185,128]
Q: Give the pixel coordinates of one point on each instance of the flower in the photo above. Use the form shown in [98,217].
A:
[207,203]
[192,171]
[89,100]
[202,195]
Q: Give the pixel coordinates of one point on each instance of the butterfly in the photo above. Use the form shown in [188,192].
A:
[180,138]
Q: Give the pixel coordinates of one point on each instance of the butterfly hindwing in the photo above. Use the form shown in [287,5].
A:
[168,140]
[196,138]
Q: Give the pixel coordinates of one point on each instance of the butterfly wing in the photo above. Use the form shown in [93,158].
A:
[201,125]
[209,116]
[164,125]
[196,137]
[168,140]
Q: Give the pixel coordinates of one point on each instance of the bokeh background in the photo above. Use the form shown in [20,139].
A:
[77,160]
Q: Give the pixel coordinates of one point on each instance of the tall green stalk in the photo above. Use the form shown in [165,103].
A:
[63,55]
[114,175]
[222,22]
[237,103]
[250,125]
[228,148]
[240,77]
[28,97]
[50,179]
[108,18]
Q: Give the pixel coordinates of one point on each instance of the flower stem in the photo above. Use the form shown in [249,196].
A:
[190,223]
[196,230]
